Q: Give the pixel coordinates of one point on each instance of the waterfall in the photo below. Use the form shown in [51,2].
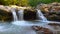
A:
[14,14]
[41,16]
[20,14]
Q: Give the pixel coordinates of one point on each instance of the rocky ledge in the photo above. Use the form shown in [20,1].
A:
[30,14]
[6,14]
[54,24]
[51,10]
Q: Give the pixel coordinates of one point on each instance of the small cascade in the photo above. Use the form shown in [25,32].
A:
[20,14]
[14,14]
[41,16]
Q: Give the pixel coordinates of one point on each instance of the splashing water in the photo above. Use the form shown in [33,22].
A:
[20,13]
[14,14]
[22,26]
[41,16]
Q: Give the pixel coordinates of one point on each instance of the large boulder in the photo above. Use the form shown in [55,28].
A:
[5,15]
[51,11]
[42,30]
[30,14]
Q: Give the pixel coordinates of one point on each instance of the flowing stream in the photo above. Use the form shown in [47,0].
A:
[19,26]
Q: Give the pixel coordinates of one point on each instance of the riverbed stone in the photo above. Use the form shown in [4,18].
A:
[42,30]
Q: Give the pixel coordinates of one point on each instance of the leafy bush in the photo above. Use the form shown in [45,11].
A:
[8,2]
[46,1]
[22,3]
[14,2]
[26,2]
[36,2]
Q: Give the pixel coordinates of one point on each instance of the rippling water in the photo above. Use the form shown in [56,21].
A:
[20,27]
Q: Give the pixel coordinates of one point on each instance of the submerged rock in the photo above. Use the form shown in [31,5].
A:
[54,24]
[42,30]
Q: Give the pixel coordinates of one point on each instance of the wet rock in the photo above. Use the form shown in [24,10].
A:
[54,24]
[30,14]
[5,15]
[58,13]
[44,8]
[36,28]
[55,4]
[55,8]
[43,30]
[51,11]
[53,17]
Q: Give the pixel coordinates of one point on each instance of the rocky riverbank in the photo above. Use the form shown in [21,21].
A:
[51,11]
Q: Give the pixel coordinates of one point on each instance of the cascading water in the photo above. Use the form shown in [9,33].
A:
[20,14]
[41,16]
[14,14]
[23,27]
[44,19]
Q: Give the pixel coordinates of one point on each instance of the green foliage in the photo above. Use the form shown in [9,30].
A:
[56,0]
[46,1]
[14,2]
[34,2]
[23,2]
[8,2]
[26,2]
